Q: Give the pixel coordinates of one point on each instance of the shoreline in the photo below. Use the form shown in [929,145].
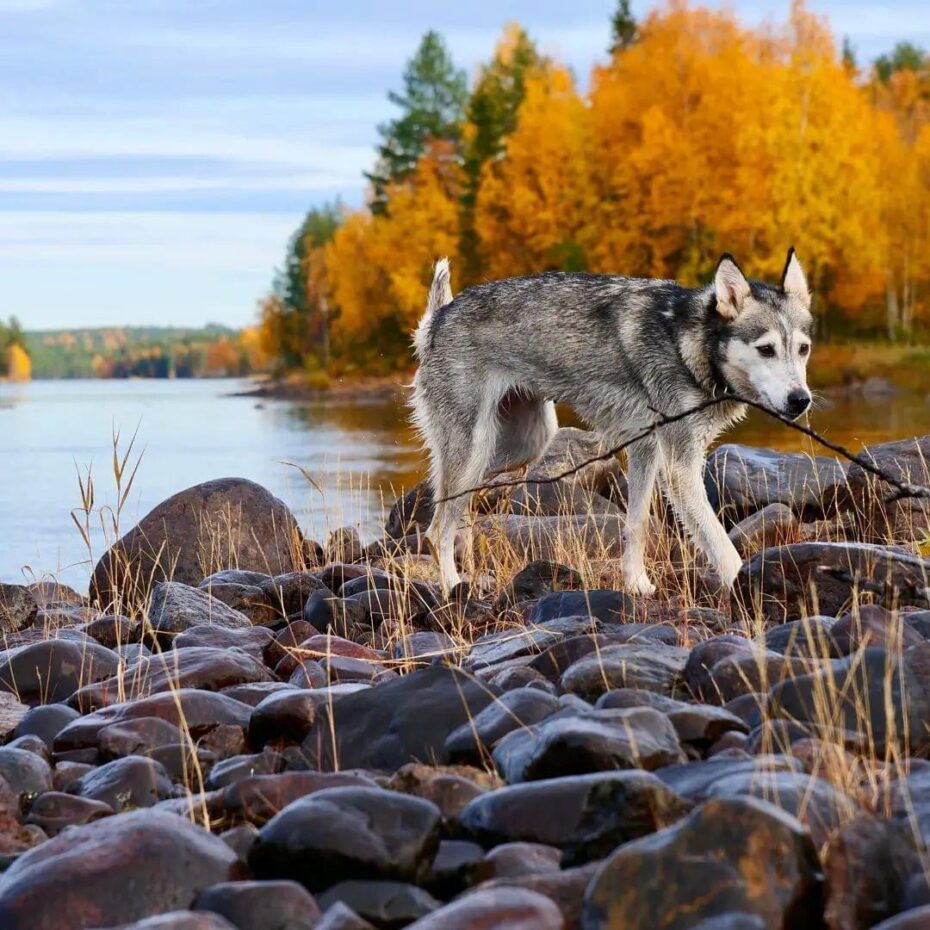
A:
[382,388]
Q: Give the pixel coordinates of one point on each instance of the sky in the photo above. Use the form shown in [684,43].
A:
[155,155]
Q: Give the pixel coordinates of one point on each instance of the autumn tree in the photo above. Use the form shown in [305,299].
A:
[491,116]
[431,106]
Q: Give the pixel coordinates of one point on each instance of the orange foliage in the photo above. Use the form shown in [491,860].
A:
[19,363]
[702,136]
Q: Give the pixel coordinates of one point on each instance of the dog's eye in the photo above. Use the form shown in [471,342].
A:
[804,348]
[766,351]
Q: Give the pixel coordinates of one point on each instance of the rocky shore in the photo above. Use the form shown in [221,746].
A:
[242,727]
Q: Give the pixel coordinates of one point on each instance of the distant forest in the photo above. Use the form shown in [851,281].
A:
[142,352]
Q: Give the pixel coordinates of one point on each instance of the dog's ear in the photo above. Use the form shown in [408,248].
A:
[793,281]
[731,286]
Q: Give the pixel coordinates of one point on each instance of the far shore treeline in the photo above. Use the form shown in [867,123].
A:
[695,135]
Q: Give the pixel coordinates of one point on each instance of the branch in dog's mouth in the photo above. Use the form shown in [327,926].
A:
[903,489]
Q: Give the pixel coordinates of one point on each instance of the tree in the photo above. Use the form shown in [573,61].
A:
[905,56]
[19,364]
[301,318]
[491,117]
[623,28]
[432,103]
[849,56]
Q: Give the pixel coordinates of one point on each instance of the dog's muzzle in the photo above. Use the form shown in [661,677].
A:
[797,403]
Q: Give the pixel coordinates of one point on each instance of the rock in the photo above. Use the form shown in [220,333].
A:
[424,647]
[343,545]
[52,670]
[226,516]
[741,480]
[536,580]
[12,714]
[781,582]
[238,767]
[254,641]
[175,607]
[917,919]
[25,773]
[411,513]
[290,592]
[403,720]
[348,833]
[694,723]
[648,667]
[201,712]
[725,856]
[456,866]
[340,916]
[806,638]
[872,625]
[198,667]
[867,864]
[494,648]
[256,692]
[247,599]
[450,787]
[773,525]
[181,920]
[893,693]
[125,783]
[287,716]
[572,743]
[474,740]
[112,631]
[568,449]
[261,905]
[387,905]
[597,535]
[500,908]
[510,860]
[565,889]
[259,798]
[605,606]
[512,814]
[54,811]
[344,616]
[46,722]
[79,878]
[18,608]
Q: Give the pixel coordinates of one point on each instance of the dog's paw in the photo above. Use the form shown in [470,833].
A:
[729,569]
[640,584]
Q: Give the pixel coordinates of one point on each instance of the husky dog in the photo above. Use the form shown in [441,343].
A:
[623,353]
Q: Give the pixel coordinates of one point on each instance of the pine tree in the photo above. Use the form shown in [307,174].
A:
[623,28]
[432,104]
[905,56]
[491,117]
[849,56]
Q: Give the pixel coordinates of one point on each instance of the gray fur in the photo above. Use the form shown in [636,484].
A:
[621,352]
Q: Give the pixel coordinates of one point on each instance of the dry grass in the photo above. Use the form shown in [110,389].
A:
[860,773]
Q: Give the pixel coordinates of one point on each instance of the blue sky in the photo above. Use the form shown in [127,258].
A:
[156,154]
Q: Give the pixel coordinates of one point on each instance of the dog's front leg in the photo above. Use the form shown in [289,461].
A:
[643,465]
[684,487]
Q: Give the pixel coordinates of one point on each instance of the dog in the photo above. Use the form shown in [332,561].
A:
[623,353]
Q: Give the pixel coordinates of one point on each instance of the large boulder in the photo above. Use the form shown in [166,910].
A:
[741,480]
[52,670]
[728,856]
[404,720]
[789,582]
[184,536]
[113,871]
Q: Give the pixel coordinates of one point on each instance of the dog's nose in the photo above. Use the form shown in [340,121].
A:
[797,403]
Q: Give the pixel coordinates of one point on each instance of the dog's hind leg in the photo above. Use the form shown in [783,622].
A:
[461,444]
[643,465]
[526,427]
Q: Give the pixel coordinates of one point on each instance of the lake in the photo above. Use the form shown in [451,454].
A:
[361,454]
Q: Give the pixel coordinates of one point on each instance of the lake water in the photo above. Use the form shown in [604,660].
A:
[361,453]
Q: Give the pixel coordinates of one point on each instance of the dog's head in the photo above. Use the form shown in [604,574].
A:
[766,335]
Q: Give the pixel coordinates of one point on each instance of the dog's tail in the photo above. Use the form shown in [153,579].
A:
[440,294]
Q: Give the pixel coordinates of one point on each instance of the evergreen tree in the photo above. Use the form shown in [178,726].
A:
[491,117]
[623,29]
[905,56]
[300,321]
[849,56]
[432,104]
